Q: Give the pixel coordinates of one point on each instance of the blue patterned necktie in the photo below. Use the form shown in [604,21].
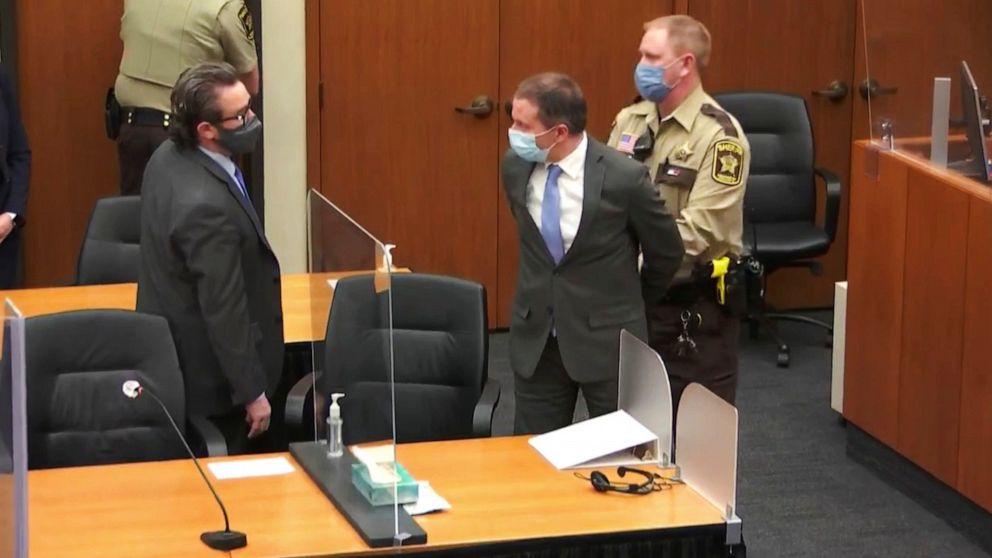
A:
[551,215]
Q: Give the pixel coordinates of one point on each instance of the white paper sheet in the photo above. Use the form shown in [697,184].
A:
[428,500]
[250,468]
[588,440]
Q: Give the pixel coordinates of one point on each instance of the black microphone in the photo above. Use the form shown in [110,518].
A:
[217,540]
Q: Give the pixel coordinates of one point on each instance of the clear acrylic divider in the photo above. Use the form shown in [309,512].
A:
[926,99]
[13,436]
[645,392]
[706,447]
[351,315]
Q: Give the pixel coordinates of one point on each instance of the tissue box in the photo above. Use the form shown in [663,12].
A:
[407,489]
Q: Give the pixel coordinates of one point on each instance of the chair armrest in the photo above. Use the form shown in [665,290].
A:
[831,211]
[296,400]
[482,418]
[208,435]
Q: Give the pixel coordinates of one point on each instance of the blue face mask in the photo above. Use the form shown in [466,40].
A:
[650,81]
[525,146]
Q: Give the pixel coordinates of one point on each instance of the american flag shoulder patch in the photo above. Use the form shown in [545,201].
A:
[626,143]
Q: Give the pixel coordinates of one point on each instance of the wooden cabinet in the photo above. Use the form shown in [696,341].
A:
[916,371]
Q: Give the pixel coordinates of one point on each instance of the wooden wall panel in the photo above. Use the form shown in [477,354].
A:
[932,329]
[975,437]
[875,293]
[68,56]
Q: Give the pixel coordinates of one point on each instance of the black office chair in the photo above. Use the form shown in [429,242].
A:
[77,413]
[440,351]
[780,228]
[111,248]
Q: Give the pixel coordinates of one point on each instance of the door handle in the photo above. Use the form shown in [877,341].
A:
[835,91]
[481,107]
[870,88]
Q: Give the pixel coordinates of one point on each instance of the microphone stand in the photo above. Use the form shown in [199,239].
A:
[217,540]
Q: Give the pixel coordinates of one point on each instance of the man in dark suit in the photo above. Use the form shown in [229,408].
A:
[583,213]
[15,171]
[206,265]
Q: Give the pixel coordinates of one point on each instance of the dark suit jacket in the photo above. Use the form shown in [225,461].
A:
[15,155]
[595,291]
[207,267]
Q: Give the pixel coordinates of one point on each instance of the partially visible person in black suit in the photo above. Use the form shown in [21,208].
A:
[206,265]
[15,173]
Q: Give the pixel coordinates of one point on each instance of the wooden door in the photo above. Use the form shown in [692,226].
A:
[394,152]
[68,55]
[909,42]
[396,155]
[593,41]
[792,47]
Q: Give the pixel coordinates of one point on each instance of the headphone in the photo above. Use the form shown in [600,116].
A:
[601,483]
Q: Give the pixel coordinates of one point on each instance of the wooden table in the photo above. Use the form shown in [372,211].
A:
[500,490]
[304,296]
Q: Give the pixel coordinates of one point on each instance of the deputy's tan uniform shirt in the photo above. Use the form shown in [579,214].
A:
[164,37]
[700,165]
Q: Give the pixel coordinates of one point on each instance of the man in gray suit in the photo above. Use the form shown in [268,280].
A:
[206,265]
[583,214]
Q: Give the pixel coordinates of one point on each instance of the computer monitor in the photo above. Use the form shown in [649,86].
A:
[977,164]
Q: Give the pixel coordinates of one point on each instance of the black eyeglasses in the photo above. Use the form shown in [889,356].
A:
[241,116]
[653,482]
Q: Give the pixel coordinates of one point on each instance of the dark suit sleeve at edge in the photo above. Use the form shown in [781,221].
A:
[209,243]
[18,153]
[658,235]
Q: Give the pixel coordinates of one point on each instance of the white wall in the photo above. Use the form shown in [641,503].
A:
[284,79]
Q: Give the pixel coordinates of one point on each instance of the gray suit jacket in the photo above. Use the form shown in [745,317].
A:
[207,267]
[595,291]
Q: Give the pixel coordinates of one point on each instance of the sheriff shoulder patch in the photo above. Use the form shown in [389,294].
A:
[245,16]
[728,162]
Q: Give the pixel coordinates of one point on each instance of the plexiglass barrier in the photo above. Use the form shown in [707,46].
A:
[927,72]
[351,314]
[13,436]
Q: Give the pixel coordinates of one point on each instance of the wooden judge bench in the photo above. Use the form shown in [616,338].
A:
[918,373]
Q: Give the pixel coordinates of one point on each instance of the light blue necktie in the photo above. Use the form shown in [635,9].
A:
[551,215]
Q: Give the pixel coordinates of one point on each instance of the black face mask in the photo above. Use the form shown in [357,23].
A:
[240,140]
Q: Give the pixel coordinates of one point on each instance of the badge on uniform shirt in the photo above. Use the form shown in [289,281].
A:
[728,163]
[245,16]
[683,152]
[626,143]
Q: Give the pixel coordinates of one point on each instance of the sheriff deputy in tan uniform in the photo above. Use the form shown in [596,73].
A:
[698,158]
[161,39]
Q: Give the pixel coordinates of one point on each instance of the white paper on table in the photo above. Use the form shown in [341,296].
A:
[246,468]
[583,442]
[428,500]
[379,461]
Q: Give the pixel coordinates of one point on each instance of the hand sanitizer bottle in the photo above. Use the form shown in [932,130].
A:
[335,445]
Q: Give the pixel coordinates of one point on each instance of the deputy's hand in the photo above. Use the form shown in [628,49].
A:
[257,415]
[6,225]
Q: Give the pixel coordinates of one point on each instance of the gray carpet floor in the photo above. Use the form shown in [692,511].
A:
[798,493]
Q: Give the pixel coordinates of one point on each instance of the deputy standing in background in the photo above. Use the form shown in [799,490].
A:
[698,158]
[15,171]
[161,39]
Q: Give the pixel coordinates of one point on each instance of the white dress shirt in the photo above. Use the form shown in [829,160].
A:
[571,182]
